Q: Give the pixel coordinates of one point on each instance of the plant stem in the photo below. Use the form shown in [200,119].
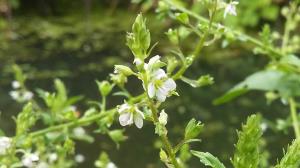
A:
[163,137]
[293,110]
[199,46]
[80,122]
[103,104]
[287,27]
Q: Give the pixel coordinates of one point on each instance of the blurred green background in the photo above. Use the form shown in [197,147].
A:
[80,41]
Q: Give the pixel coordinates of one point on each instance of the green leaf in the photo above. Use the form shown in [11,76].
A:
[61,90]
[262,80]
[247,147]
[286,84]
[202,81]
[193,129]
[291,157]
[208,159]
[230,95]
[183,18]
[291,60]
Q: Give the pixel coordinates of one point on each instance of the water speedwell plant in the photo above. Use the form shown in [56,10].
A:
[54,145]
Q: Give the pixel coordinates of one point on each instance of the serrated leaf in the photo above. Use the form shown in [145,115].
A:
[208,159]
[291,157]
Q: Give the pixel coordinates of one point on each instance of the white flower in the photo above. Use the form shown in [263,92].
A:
[130,114]
[27,95]
[16,84]
[79,158]
[264,126]
[79,132]
[137,61]
[52,157]
[29,160]
[111,165]
[5,143]
[231,8]
[160,85]
[163,117]
[15,94]
[153,64]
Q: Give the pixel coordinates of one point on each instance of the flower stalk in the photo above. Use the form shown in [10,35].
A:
[164,137]
[293,110]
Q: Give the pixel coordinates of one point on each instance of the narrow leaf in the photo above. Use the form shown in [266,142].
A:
[208,159]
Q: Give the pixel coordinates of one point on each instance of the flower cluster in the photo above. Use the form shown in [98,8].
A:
[19,94]
[156,84]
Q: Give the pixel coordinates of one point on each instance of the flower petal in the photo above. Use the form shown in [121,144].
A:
[151,90]
[161,95]
[170,84]
[138,120]
[159,74]
[153,60]
[125,119]
[140,112]
[123,108]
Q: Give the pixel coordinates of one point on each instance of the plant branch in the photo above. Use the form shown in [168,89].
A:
[246,37]
[72,124]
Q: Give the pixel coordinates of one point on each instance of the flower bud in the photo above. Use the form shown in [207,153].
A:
[104,87]
[173,36]
[163,155]
[119,79]
[163,118]
[123,69]
[205,80]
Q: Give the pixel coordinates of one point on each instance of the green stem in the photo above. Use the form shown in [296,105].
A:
[82,121]
[72,124]
[163,137]
[236,33]
[103,104]
[293,109]
[287,27]
[198,49]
